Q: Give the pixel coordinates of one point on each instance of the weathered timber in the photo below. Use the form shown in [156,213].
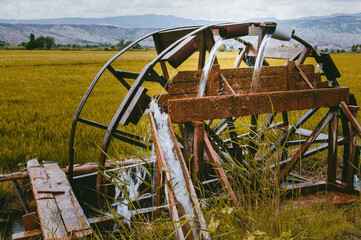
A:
[332,147]
[345,108]
[31,222]
[59,212]
[49,215]
[216,107]
[32,234]
[272,78]
[219,171]
[72,214]
[78,168]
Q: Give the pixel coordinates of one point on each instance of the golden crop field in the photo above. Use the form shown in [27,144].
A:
[40,92]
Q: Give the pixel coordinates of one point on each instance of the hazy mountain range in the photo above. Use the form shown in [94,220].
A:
[334,31]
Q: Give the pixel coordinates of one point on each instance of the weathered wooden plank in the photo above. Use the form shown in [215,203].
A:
[78,168]
[33,234]
[31,222]
[217,107]
[51,223]
[72,214]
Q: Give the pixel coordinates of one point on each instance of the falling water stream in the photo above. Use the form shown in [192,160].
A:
[259,62]
[175,170]
[131,182]
[207,67]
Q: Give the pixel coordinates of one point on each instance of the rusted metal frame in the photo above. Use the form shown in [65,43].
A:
[118,76]
[121,135]
[307,51]
[351,165]
[198,150]
[290,132]
[220,125]
[213,158]
[86,96]
[153,76]
[162,64]
[202,51]
[345,108]
[309,153]
[237,151]
[299,154]
[252,144]
[304,77]
[163,169]
[127,99]
[217,140]
[21,196]
[299,142]
[286,123]
[187,177]
[332,146]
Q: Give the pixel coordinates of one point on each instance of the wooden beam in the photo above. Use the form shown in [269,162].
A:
[52,226]
[217,107]
[351,165]
[33,234]
[71,212]
[332,147]
[78,168]
[345,108]
[213,158]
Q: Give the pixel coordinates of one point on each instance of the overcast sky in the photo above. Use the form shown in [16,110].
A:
[223,10]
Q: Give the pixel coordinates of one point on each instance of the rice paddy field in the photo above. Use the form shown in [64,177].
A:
[40,92]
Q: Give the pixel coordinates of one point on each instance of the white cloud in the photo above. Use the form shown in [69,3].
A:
[227,10]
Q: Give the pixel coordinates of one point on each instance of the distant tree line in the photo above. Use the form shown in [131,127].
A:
[40,42]
[48,42]
[356,48]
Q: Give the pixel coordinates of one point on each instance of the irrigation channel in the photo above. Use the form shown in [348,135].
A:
[205,122]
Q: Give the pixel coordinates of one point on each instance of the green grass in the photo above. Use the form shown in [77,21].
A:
[40,92]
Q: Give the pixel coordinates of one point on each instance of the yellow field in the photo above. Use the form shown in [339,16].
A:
[40,92]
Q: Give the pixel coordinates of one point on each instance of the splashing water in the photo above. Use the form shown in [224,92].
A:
[131,182]
[259,62]
[207,67]
[177,178]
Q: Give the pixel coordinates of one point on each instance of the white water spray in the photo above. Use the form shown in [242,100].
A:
[259,62]
[207,67]
[177,178]
[131,182]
